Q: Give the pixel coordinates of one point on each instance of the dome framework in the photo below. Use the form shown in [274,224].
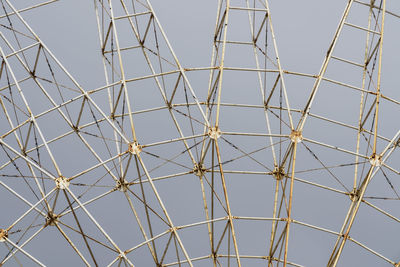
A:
[250,165]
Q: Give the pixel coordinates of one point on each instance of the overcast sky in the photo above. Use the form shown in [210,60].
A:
[303,31]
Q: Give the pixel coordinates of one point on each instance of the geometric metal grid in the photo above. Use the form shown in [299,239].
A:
[261,166]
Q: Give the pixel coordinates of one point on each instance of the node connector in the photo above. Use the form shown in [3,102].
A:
[3,235]
[198,169]
[134,148]
[121,186]
[354,195]
[62,182]
[375,160]
[278,173]
[214,132]
[51,218]
[122,255]
[296,136]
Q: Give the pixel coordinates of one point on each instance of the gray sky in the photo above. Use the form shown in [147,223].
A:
[325,163]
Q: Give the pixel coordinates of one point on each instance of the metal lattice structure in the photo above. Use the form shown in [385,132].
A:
[264,166]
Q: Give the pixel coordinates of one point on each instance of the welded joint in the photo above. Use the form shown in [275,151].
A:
[397,143]
[286,220]
[169,105]
[173,229]
[3,235]
[122,255]
[345,236]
